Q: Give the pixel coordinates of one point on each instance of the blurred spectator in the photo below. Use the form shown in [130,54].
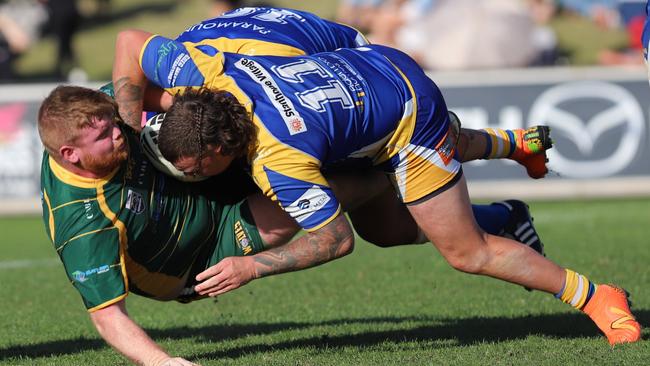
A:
[103,6]
[221,6]
[468,34]
[64,20]
[626,14]
[358,13]
[20,22]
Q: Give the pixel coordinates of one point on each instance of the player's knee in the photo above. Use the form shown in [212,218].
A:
[468,262]
[468,258]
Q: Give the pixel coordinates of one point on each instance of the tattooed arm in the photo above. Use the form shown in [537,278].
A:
[128,78]
[332,241]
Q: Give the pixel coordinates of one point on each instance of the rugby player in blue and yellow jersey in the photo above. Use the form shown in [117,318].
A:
[288,32]
[372,105]
[276,31]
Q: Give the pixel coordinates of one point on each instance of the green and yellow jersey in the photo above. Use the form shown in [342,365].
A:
[139,230]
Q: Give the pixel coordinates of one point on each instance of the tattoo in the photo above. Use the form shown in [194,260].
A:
[129,100]
[332,241]
[467,138]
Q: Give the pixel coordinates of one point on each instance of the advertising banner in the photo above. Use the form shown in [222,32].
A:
[599,119]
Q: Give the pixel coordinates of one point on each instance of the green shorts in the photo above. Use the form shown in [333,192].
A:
[238,236]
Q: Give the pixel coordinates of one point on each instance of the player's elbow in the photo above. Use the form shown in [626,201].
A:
[130,41]
[345,246]
[337,238]
[105,319]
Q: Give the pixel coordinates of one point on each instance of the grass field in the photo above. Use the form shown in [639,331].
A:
[374,307]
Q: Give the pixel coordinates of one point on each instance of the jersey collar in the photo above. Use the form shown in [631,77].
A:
[73,179]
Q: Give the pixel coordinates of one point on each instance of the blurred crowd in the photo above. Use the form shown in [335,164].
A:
[479,34]
[23,22]
[439,34]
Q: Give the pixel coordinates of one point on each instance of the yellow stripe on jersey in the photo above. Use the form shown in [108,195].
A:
[59,249]
[422,172]
[338,211]
[50,215]
[75,180]
[121,229]
[144,47]
[108,303]
[287,160]
[211,67]
[73,202]
[160,285]
[162,249]
[404,131]
[250,47]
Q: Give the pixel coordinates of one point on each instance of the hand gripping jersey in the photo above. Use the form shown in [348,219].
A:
[139,230]
[271,31]
[372,103]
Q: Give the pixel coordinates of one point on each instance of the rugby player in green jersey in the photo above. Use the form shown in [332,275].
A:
[121,226]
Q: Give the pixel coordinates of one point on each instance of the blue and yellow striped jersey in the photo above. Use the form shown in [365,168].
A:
[312,111]
[272,31]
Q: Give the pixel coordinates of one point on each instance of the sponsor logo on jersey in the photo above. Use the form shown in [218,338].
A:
[224,24]
[446,148]
[176,68]
[292,119]
[350,77]
[242,238]
[311,201]
[135,202]
[88,208]
[163,51]
[82,276]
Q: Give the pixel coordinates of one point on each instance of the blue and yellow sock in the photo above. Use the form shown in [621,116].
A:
[500,143]
[577,290]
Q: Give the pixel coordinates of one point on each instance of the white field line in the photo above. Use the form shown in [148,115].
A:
[24,263]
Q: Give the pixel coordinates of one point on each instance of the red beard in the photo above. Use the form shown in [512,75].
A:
[102,165]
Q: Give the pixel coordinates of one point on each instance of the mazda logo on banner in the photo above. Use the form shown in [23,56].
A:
[614,111]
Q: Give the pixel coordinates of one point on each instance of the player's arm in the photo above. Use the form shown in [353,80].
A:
[128,77]
[333,240]
[156,99]
[122,333]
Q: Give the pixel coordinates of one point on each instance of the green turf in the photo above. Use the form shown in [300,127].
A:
[374,307]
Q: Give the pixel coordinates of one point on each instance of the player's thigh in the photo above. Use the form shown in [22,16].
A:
[384,220]
[354,186]
[273,224]
[446,218]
